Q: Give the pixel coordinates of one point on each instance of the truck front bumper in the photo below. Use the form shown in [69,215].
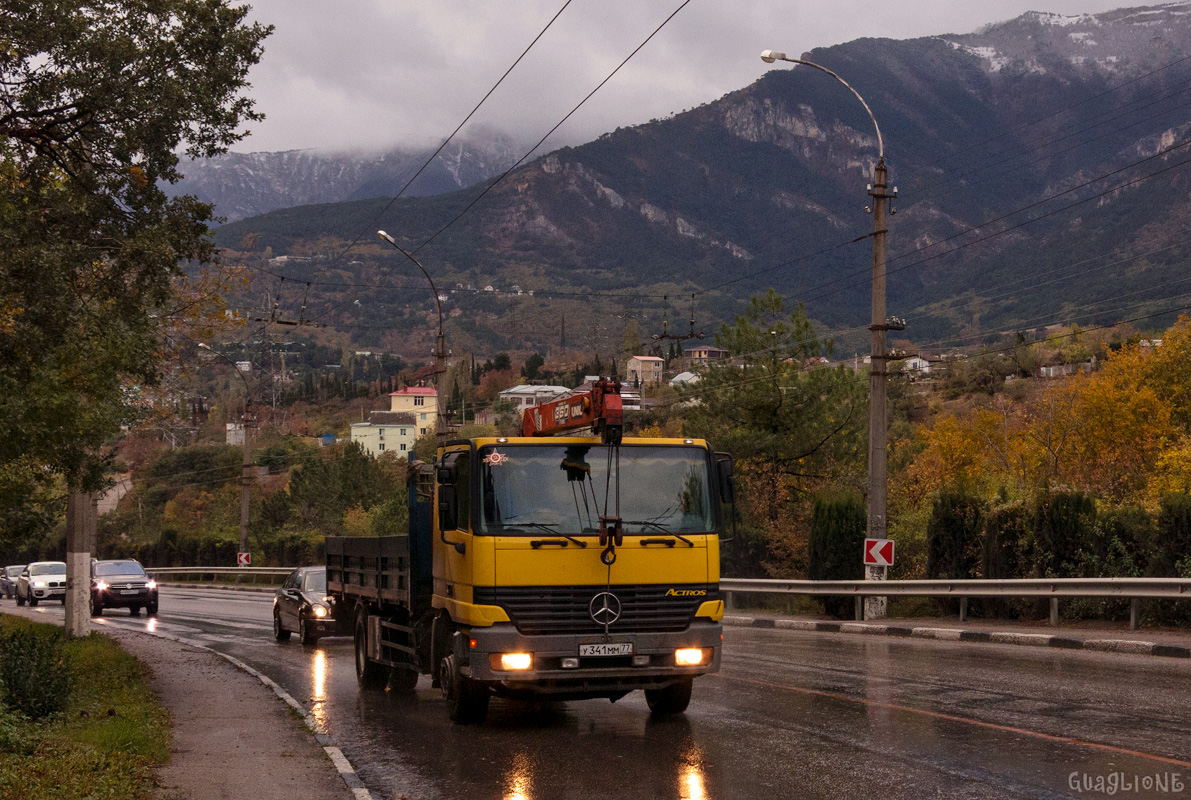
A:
[559,671]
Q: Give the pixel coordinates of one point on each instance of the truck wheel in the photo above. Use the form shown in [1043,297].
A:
[467,701]
[403,680]
[673,699]
[279,633]
[369,674]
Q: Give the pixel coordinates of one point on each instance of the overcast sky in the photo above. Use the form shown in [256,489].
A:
[372,74]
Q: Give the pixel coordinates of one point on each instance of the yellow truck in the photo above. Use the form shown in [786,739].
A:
[553,567]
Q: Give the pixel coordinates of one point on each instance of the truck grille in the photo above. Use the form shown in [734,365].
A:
[565,609]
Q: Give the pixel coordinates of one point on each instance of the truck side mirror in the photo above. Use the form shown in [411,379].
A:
[446,473]
[727,479]
[448,508]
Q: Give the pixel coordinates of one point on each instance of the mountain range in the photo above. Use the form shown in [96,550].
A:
[1039,164]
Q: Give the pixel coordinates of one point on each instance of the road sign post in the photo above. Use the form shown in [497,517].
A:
[878,557]
[243,559]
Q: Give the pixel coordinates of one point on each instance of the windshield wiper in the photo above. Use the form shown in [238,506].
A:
[660,527]
[548,528]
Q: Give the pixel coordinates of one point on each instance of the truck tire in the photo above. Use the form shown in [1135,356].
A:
[467,701]
[403,680]
[369,674]
[672,699]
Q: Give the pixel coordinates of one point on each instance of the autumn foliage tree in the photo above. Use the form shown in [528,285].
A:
[96,101]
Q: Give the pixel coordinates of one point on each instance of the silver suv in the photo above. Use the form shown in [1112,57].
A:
[42,580]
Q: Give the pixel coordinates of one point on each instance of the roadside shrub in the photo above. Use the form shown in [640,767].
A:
[36,680]
[836,545]
[954,536]
[1063,531]
[14,732]
[1173,536]
[1008,553]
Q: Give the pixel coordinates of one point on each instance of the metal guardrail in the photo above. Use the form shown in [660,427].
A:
[1149,588]
[270,572]
[1133,589]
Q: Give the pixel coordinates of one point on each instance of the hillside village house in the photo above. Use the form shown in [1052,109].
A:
[523,396]
[703,353]
[421,401]
[387,432]
[644,369]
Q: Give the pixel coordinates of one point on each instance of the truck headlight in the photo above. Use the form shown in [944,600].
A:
[511,662]
[690,656]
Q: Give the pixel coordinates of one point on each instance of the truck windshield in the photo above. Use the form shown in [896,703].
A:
[541,489]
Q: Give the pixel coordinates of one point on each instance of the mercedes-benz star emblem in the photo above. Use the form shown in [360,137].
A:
[604,608]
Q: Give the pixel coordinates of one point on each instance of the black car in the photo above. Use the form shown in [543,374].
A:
[301,605]
[122,583]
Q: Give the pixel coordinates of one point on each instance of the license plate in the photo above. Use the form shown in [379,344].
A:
[130,591]
[620,649]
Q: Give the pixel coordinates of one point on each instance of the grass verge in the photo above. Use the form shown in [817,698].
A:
[105,742]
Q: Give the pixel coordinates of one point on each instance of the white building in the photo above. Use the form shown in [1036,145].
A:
[387,432]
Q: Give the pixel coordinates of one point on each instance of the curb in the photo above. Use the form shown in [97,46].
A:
[344,767]
[1125,646]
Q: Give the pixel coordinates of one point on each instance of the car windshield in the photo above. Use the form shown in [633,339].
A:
[12,572]
[315,582]
[119,568]
[47,569]
[542,489]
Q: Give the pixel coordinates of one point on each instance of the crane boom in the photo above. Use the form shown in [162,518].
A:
[599,409]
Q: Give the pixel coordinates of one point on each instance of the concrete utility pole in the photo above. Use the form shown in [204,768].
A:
[878,422]
[245,473]
[80,543]
[440,349]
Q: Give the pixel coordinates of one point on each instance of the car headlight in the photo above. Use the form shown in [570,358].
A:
[319,611]
[101,586]
[38,584]
[152,584]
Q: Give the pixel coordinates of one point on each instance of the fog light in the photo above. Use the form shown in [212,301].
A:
[511,662]
[319,611]
[570,663]
[640,661]
[688,657]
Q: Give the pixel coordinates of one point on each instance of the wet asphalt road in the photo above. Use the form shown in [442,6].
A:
[798,715]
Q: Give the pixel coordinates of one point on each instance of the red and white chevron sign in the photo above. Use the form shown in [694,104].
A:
[878,552]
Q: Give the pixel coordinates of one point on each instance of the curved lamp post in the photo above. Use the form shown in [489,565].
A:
[246,464]
[878,422]
[440,351]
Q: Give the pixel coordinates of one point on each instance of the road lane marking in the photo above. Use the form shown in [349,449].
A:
[965,720]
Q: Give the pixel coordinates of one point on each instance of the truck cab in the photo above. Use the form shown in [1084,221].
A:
[567,568]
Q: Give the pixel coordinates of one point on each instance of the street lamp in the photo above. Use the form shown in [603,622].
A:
[877,420]
[246,463]
[440,351]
